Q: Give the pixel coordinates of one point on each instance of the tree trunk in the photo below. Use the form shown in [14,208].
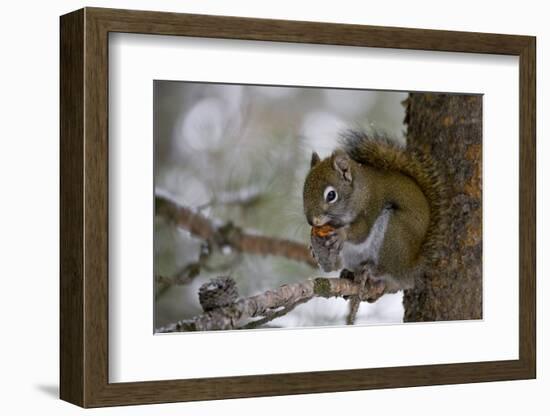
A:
[449,127]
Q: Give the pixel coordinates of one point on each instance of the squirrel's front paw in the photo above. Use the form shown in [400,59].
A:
[332,241]
[326,251]
[313,253]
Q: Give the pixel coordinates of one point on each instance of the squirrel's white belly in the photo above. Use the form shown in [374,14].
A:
[355,255]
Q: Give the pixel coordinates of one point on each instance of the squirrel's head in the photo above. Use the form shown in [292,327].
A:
[328,190]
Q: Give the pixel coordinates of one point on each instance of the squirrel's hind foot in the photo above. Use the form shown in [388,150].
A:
[374,285]
[374,289]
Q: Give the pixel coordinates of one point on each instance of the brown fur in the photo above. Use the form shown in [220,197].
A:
[379,152]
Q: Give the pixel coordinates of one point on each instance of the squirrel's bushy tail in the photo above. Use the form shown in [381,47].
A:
[377,150]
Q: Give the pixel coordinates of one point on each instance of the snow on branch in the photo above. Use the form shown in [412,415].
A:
[228,235]
[266,306]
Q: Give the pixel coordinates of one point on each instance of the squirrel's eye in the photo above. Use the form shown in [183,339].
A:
[330,195]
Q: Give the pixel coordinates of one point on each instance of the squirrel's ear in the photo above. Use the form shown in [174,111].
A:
[314,159]
[341,162]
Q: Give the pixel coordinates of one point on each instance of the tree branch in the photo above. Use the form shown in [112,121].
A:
[265,305]
[229,235]
[244,197]
[354,304]
[277,313]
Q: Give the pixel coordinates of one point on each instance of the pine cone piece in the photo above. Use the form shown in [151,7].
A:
[217,293]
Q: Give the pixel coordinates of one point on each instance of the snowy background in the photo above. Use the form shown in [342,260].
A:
[240,153]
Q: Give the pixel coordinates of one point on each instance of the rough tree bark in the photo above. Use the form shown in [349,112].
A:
[449,127]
